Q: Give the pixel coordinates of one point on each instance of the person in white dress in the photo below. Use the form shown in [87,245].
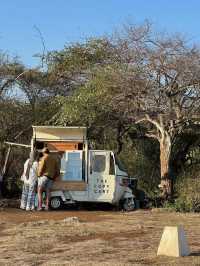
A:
[29,177]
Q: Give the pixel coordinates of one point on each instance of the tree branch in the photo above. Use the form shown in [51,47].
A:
[155,123]
[11,80]
[152,136]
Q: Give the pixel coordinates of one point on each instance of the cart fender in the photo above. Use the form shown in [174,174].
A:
[58,194]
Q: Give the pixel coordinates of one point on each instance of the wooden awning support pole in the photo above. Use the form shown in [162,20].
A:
[17,144]
[6,160]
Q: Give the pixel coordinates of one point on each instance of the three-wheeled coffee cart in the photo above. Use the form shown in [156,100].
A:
[86,175]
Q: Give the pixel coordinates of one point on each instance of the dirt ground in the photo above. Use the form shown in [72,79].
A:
[92,237]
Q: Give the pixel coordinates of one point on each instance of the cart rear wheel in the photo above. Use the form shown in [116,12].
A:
[56,203]
[129,204]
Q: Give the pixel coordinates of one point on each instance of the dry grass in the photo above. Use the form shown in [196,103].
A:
[108,238]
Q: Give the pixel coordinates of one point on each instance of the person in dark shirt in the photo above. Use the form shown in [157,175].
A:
[48,170]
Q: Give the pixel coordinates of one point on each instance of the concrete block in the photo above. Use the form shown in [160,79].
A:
[173,242]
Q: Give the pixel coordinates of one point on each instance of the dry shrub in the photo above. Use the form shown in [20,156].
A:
[188,199]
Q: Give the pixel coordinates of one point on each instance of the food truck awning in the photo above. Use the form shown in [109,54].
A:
[53,133]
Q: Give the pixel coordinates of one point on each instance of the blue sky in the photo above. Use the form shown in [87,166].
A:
[65,21]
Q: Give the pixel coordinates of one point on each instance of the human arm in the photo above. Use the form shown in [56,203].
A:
[41,167]
[35,169]
[23,176]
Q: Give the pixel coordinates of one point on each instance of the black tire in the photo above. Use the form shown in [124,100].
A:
[56,203]
[129,204]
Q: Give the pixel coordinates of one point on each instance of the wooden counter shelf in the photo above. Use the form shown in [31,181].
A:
[69,185]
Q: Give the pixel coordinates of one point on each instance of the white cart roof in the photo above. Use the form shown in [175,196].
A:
[53,133]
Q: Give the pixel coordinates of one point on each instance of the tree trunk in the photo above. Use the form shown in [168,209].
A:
[166,180]
[119,138]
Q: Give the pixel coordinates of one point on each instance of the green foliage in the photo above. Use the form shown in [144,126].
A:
[90,104]
[12,187]
[141,161]
[72,67]
[187,188]
[12,117]
[81,56]
[186,151]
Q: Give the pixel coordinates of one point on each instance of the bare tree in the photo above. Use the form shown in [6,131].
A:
[159,85]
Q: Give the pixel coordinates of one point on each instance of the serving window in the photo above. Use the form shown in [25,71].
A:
[72,166]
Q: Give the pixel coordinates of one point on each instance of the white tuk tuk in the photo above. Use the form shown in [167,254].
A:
[85,175]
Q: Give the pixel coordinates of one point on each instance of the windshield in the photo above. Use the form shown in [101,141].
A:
[99,163]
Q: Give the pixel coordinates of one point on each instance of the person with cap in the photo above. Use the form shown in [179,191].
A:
[29,178]
[47,172]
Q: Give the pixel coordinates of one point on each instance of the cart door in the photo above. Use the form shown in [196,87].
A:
[101,181]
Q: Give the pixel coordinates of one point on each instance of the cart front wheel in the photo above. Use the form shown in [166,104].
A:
[129,204]
[56,203]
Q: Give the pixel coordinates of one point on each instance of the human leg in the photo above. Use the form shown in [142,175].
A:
[42,183]
[40,190]
[48,193]
[24,196]
[31,198]
[47,198]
